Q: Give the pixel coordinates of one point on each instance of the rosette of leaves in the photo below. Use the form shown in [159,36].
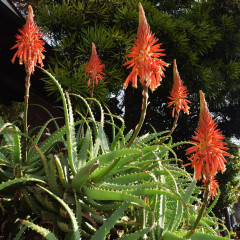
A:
[81,184]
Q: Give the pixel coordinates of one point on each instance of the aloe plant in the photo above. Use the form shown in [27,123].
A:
[77,184]
[100,187]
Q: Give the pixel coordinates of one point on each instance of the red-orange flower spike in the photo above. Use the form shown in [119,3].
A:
[145,54]
[29,44]
[213,186]
[178,95]
[208,153]
[94,67]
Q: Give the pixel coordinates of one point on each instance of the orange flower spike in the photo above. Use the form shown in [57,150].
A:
[29,45]
[145,54]
[178,95]
[94,67]
[213,186]
[209,150]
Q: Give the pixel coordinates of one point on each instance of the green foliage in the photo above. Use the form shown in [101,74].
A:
[43,231]
[11,113]
[82,183]
[139,190]
[229,181]
[72,27]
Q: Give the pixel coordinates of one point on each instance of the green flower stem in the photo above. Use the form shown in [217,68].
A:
[92,88]
[175,123]
[91,95]
[25,122]
[142,118]
[204,204]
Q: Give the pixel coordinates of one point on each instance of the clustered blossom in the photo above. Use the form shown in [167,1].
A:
[29,45]
[145,54]
[178,95]
[94,67]
[213,186]
[209,149]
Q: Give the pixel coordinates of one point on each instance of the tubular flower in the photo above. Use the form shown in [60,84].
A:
[145,54]
[178,95]
[208,152]
[213,186]
[29,44]
[94,67]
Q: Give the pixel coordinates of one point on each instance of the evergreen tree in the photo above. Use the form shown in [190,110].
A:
[202,36]
[72,27]
[229,181]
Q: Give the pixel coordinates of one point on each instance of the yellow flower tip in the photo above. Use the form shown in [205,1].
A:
[203,103]
[174,64]
[175,70]
[94,51]
[202,97]
[142,17]
[30,12]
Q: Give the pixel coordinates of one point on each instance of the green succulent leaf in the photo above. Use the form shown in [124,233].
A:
[201,236]
[100,194]
[106,227]
[43,231]
[76,230]
[135,235]
[19,180]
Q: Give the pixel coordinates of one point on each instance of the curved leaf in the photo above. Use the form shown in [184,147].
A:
[106,227]
[201,236]
[76,231]
[19,180]
[135,235]
[82,174]
[99,194]
[43,231]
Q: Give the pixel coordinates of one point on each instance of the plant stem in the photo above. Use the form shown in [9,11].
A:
[175,123]
[91,95]
[92,88]
[204,204]
[142,118]
[25,116]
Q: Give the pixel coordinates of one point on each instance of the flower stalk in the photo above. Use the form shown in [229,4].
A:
[29,51]
[146,65]
[207,156]
[25,116]
[178,97]
[142,118]
[94,69]
[92,90]
[201,211]
[208,153]
[174,123]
